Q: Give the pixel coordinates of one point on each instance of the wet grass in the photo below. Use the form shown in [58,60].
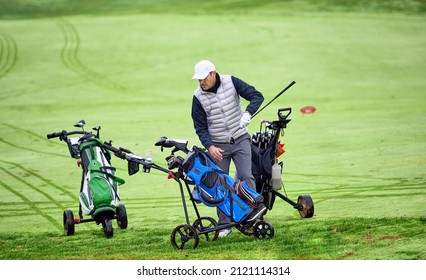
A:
[127,68]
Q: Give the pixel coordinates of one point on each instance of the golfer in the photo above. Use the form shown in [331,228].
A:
[221,122]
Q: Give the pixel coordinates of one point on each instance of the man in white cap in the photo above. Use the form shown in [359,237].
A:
[221,123]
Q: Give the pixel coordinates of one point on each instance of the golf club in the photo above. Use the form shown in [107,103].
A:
[232,140]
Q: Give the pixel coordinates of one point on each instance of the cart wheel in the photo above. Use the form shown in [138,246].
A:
[245,229]
[206,223]
[184,236]
[306,206]
[69,226]
[121,216]
[263,230]
[108,229]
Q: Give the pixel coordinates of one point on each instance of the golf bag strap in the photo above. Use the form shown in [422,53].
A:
[109,168]
[209,199]
[92,151]
[90,147]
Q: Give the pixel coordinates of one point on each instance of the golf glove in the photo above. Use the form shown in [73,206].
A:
[245,120]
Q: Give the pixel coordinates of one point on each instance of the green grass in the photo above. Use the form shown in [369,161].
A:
[332,239]
[126,65]
[29,8]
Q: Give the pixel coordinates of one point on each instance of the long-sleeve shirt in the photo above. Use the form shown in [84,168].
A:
[199,116]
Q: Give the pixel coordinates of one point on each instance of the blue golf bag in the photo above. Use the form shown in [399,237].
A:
[215,188]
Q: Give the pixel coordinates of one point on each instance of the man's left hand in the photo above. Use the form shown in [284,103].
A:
[245,120]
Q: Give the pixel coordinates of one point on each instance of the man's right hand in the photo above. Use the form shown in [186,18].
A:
[215,153]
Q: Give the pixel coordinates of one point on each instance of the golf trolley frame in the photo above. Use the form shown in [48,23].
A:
[105,215]
[267,139]
[188,235]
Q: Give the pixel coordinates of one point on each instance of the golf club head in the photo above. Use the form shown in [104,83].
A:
[161,142]
[80,123]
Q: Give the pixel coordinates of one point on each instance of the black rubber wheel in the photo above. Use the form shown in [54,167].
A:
[206,223]
[184,236]
[245,229]
[108,229]
[121,216]
[69,226]
[306,206]
[263,230]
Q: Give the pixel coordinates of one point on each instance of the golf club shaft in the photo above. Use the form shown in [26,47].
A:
[278,95]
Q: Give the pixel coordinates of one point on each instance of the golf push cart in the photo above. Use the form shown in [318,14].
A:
[267,171]
[244,215]
[99,192]
[215,189]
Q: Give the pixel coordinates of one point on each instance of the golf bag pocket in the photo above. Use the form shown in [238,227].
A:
[97,192]
[223,200]
[101,192]
[235,208]
[262,161]
[248,195]
[214,188]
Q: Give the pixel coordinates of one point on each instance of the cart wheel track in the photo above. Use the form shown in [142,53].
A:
[31,134]
[29,149]
[33,206]
[69,57]
[8,54]
[41,178]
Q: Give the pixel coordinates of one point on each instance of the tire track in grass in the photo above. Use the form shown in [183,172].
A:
[59,84]
[69,57]
[33,187]
[33,206]
[360,186]
[15,208]
[33,134]
[41,178]
[8,54]
[29,132]
[29,149]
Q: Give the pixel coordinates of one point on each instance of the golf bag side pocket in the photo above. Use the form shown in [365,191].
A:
[248,195]
[215,188]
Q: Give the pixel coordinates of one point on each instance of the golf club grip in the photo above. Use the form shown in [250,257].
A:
[278,95]
[111,148]
[54,135]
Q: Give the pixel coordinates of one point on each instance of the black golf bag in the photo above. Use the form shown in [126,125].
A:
[267,171]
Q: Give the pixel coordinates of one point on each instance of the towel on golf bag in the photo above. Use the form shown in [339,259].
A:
[99,190]
[215,188]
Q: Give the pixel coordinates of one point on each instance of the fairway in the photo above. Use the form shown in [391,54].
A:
[361,156]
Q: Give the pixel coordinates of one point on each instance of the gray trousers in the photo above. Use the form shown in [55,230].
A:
[240,154]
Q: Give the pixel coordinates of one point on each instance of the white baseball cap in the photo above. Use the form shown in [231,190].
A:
[202,69]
